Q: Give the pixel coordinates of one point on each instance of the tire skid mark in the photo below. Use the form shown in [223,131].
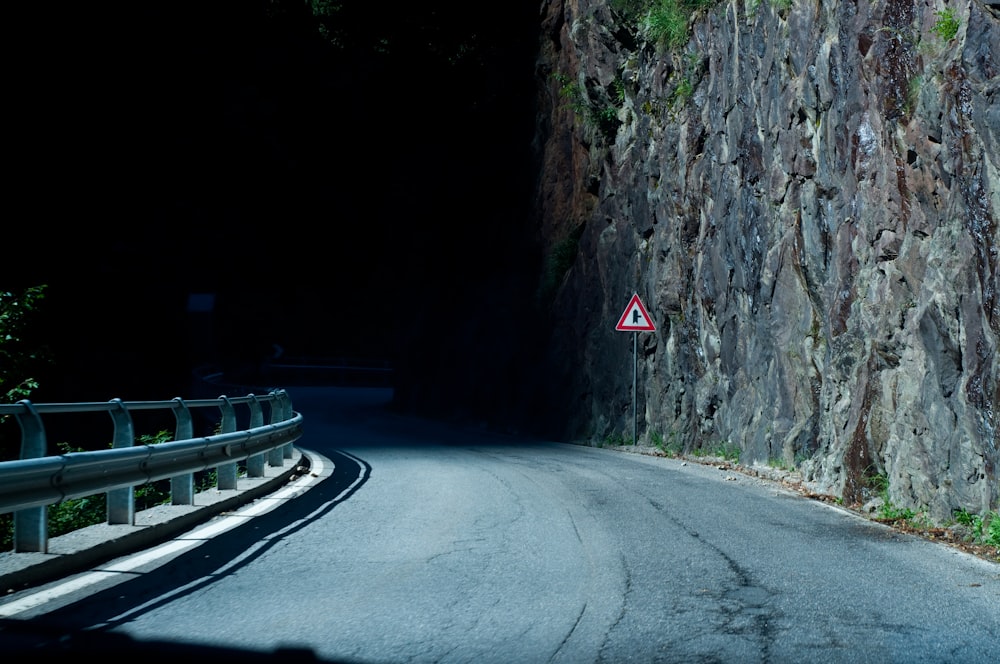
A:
[746,598]
[568,649]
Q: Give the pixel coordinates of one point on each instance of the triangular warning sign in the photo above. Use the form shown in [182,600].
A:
[635,318]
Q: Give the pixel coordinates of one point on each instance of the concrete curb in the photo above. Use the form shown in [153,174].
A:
[82,549]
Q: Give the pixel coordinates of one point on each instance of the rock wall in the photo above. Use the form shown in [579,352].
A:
[806,198]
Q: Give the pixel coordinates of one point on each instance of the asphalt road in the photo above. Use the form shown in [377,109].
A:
[421,542]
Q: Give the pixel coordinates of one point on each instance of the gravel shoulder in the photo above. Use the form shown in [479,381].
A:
[956,536]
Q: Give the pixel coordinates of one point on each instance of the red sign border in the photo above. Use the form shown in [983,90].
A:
[623,327]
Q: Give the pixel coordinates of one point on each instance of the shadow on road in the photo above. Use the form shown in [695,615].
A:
[84,626]
[334,419]
[356,418]
[31,641]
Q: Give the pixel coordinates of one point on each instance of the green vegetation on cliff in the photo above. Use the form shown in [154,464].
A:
[664,22]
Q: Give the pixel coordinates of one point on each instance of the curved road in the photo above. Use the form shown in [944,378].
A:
[420,542]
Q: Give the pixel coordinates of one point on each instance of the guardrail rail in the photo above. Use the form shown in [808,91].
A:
[31,483]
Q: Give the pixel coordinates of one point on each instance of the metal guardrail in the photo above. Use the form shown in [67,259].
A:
[35,481]
[328,371]
[295,370]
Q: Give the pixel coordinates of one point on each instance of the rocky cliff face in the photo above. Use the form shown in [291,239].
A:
[806,196]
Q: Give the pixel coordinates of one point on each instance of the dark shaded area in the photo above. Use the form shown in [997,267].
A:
[33,643]
[354,185]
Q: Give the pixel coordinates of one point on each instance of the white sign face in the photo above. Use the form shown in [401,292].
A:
[635,318]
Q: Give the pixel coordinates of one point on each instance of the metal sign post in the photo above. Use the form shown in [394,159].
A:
[635,380]
[635,320]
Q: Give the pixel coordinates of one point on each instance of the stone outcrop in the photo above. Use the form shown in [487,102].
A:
[806,197]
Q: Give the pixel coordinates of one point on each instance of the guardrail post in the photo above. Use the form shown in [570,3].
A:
[31,532]
[227,472]
[182,486]
[274,455]
[121,502]
[255,463]
[286,414]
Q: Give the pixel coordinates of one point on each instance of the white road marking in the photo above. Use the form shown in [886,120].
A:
[320,468]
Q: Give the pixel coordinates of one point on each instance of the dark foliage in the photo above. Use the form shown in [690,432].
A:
[316,171]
